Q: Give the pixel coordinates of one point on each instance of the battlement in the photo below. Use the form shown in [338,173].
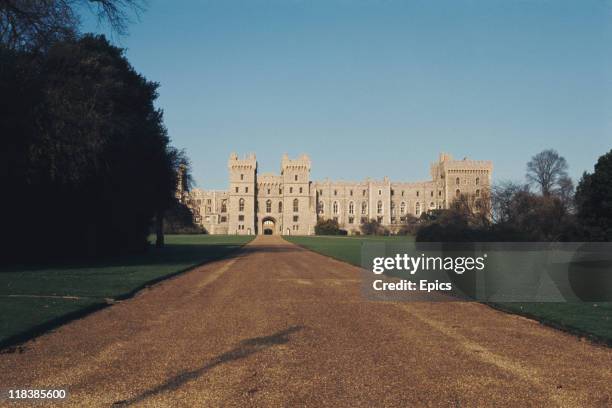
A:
[303,161]
[248,161]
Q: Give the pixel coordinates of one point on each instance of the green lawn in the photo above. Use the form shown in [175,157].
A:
[590,319]
[34,298]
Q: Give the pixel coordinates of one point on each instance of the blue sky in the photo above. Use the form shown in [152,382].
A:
[378,88]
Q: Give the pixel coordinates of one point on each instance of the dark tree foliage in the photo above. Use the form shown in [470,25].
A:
[37,24]
[594,200]
[178,219]
[373,227]
[328,227]
[87,158]
[521,216]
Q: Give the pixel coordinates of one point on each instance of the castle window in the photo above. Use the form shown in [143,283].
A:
[363,193]
[295,177]
[290,190]
[335,192]
[300,190]
[364,220]
[241,218]
[223,206]
[280,206]
[280,191]
[208,209]
[379,219]
[268,191]
[379,207]
[351,193]
[351,208]
[295,218]
[223,218]
[403,208]
[431,194]
[432,205]
[477,181]
[335,207]
[379,192]
[236,189]
[457,181]
[402,193]
[246,189]
[269,206]
[392,208]
[477,193]
[241,204]
[439,193]
[209,201]
[320,192]
[364,208]
[242,177]
[417,193]
[351,220]
[417,209]
[392,192]
[321,207]
[457,193]
[296,205]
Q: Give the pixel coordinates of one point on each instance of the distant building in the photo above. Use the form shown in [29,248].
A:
[291,204]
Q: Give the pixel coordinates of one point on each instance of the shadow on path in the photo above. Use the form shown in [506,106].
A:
[243,350]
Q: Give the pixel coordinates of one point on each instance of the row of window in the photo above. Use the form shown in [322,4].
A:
[269,191]
[379,207]
[295,177]
[296,205]
[364,193]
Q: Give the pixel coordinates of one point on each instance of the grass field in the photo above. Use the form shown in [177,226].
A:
[34,298]
[590,319]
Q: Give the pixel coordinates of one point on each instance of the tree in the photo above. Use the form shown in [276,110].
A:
[501,199]
[87,155]
[373,227]
[328,227]
[594,199]
[565,191]
[546,169]
[34,25]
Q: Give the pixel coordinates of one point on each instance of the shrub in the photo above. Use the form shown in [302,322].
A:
[373,227]
[328,227]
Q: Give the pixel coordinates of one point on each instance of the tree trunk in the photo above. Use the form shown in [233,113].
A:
[159,229]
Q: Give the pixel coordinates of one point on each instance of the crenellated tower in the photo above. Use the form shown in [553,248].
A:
[242,193]
[299,216]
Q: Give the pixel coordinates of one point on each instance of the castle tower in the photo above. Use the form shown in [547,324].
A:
[299,214]
[462,177]
[242,203]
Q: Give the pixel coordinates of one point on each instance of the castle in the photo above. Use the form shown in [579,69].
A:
[291,204]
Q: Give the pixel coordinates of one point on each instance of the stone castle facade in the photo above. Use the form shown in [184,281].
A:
[290,203]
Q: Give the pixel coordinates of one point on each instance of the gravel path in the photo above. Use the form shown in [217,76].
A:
[280,326]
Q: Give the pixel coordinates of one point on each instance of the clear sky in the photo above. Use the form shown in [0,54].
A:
[379,87]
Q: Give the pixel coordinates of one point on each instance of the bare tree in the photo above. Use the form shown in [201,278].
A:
[502,198]
[565,191]
[545,169]
[34,24]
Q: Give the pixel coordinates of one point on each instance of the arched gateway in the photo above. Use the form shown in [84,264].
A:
[268,226]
